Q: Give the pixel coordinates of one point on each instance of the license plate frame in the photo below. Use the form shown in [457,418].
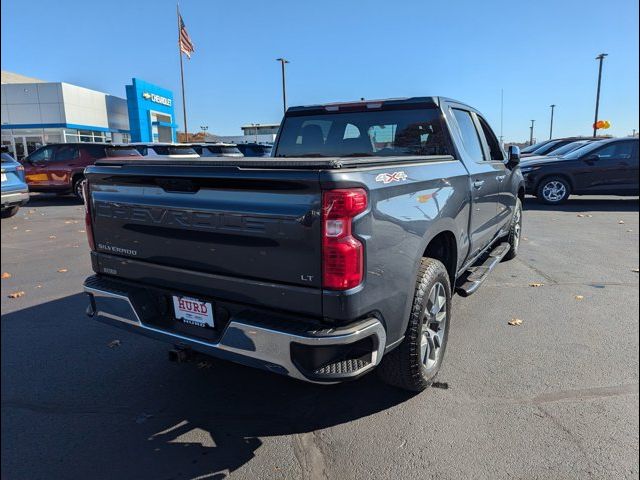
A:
[193,311]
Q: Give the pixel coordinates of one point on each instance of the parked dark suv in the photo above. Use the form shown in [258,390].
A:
[605,167]
[59,167]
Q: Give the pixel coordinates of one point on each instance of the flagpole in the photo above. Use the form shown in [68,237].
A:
[184,101]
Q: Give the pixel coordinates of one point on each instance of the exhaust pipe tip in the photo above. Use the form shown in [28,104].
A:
[178,355]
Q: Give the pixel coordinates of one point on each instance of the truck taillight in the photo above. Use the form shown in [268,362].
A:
[87,215]
[342,253]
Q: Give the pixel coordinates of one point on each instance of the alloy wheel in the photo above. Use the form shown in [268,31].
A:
[554,191]
[433,326]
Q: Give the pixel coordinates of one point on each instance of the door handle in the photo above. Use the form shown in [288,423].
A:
[501,177]
[478,184]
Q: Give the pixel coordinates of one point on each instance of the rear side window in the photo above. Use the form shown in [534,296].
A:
[66,153]
[622,150]
[95,151]
[470,137]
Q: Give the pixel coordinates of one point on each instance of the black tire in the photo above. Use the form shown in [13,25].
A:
[515,232]
[553,190]
[10,212]
[77,187]
[404,366]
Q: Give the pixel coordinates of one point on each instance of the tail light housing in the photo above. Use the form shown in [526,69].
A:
[87,215]
[342,253]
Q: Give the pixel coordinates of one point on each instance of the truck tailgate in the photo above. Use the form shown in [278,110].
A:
[254,224]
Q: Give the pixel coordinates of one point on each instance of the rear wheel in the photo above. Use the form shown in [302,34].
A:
[10,212]
[553,190]
[77,187]
[414,364]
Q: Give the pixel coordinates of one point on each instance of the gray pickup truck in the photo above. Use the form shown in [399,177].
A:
[337,255]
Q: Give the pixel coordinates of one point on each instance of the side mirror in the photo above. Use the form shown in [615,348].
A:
[513,155]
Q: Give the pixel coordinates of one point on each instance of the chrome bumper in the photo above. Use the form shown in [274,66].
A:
[244,342]
[13,198]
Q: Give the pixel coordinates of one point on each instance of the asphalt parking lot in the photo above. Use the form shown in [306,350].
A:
[556,397]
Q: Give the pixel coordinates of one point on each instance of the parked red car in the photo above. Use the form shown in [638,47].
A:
[59,168]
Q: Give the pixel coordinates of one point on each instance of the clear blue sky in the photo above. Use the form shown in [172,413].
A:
[540,52]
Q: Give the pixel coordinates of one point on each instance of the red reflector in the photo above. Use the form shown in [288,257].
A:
[342,253]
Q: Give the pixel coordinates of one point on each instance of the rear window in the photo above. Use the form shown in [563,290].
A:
[223,150]
[122,152]
[355,134]
[173,150]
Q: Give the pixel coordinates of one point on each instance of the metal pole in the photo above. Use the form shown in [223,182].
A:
[184,100]
[501,116]
[595,120]
[531,135]
[551,126]
[284,84]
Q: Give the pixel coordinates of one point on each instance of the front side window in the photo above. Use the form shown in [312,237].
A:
[43,155]
[354,134]
[492,141]
[470,137]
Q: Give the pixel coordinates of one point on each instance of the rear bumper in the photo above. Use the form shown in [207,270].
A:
[15,198]
[318,356]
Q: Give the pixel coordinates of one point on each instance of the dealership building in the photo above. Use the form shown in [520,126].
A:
[36,112]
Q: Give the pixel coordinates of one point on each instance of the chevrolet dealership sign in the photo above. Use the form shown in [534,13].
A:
[157,98]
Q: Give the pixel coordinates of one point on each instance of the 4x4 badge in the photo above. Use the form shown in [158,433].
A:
[391,177]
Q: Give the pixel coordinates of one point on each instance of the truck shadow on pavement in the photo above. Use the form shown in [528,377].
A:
[52,200]
[578,204]
[140,416]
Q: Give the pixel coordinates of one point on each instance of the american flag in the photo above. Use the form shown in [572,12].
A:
[184,40]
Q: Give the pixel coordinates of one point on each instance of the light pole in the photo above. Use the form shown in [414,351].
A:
[531,134]
[595,120]
[551,125]
[284,85]
[204,129]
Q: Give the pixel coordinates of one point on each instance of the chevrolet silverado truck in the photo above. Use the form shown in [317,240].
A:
[337,255]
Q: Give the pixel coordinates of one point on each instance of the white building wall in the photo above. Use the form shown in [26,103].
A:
[84,107]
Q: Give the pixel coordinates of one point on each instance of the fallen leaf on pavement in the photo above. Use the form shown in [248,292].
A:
[515,322]
[205,364]
[51,237]
[113,344]
[621,222]
[31,211]
[589,215]
[636,270]
[16,294]
[82,231]
[579,297]
[27,230]
[6,275]
[629,230]
[580,215]
[535,284]
[62,270]
[38,286]
[14,228]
